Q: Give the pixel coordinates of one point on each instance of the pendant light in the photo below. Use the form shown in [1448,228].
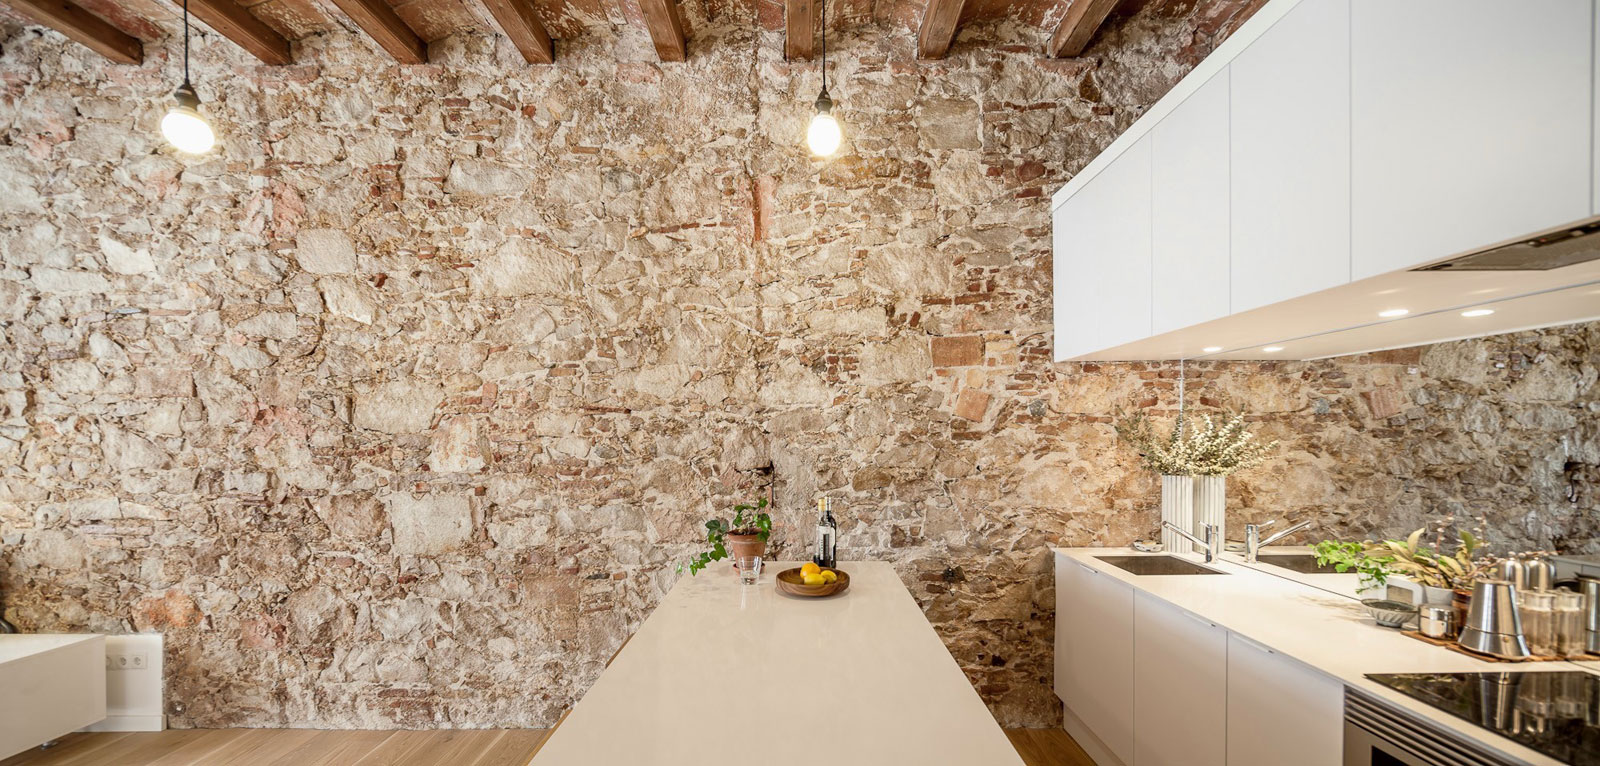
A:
[184,127]
[824,135]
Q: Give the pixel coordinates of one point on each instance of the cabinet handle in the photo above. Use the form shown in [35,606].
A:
[1198,618]
[1253,645]
[1086,567]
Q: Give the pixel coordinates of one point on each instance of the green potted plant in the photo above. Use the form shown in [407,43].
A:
[1430,573]
[745,535]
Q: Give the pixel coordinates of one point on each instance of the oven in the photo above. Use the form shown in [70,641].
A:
[1377,733]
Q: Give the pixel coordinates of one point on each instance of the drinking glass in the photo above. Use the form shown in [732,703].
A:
[749,569]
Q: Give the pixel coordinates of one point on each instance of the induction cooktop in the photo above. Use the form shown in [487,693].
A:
[1554,712]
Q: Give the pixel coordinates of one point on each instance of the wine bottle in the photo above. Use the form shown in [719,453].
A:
[827,536]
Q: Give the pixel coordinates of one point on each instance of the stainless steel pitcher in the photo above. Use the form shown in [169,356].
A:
[1494,626]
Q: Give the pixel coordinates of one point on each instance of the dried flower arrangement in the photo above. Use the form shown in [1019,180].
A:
[1218,448]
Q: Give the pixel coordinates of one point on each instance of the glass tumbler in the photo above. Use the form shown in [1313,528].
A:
[1538,621]
[749,569]
[1571,632]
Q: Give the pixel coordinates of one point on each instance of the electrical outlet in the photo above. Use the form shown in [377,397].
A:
[130,661]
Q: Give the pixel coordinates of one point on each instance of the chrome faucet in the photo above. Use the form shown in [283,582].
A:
[1212,542]
[1253,542]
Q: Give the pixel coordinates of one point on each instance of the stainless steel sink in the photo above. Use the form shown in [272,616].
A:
[1158,565]
[1303,563]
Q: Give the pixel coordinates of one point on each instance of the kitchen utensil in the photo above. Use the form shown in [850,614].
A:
[1389,614]
[1590,588]
[1536,609]
[1512,572]
[1493,625]
[1571,633]
[789,582]
[749,569]
[1437,621]
[1538,573]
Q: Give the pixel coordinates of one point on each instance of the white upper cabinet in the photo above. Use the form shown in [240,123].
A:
[1291,157]
[1285,189]
[1101,238]
[1189,210]
[1469,134]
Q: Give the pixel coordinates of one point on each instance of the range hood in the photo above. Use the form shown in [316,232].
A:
[1558,249]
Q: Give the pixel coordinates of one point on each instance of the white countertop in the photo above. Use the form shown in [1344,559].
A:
[1326,631]
[16,646]
[727,674]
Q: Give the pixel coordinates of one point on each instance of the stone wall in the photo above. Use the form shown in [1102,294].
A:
[400,409]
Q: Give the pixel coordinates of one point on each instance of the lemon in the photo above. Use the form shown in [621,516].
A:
[813,579]
[829,576]
[810,568]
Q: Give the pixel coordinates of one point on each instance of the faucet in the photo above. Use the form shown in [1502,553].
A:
[1253,542]
[1212,542]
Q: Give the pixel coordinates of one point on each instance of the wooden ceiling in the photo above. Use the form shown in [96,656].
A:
[117,29]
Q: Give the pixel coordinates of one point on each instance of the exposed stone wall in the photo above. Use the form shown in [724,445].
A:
[400,409]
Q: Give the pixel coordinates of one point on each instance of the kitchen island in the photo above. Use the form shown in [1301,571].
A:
[723,673]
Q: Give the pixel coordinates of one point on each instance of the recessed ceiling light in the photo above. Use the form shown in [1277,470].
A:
[1272,349]
[1477,313]
[1386,313]
[1211,349]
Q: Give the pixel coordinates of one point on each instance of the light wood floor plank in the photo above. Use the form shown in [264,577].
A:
[135,749]
[313,747]
[333,747]
[197,749]
[1047,747]
[516,748]
[259,746]
[69,746]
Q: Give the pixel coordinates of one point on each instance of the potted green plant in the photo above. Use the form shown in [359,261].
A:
[1429,572]
[745,535]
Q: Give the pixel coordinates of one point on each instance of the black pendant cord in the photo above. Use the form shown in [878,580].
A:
[185,42]
[824,45]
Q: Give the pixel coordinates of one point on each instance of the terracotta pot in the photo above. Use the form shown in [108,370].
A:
[745,545]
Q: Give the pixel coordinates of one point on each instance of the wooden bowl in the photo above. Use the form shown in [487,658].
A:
[789,582]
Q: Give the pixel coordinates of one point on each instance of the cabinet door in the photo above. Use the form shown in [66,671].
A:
[1441,161]
[1094,639]
[1280,711]
[1189,210]
[1290,156]
[1102,258]
[1180,677]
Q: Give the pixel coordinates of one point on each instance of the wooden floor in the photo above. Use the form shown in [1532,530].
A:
[311,747]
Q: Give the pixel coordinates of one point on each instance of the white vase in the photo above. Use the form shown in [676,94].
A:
[1210,506]
[1177,506]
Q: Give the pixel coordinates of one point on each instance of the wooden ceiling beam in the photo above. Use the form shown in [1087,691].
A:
[82,27]
[517,20]
[666,29]
[938,28]
[232,21]
[1077,28]
[387,29]
[799,29]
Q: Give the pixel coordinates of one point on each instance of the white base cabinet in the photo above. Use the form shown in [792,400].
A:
[1094,654]
[1148,684]
[1180,682]
[1280,711]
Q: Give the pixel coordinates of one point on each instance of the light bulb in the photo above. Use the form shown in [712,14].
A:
[184,127]
[823,136]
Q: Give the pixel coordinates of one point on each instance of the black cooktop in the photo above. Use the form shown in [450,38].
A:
[1554,712]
